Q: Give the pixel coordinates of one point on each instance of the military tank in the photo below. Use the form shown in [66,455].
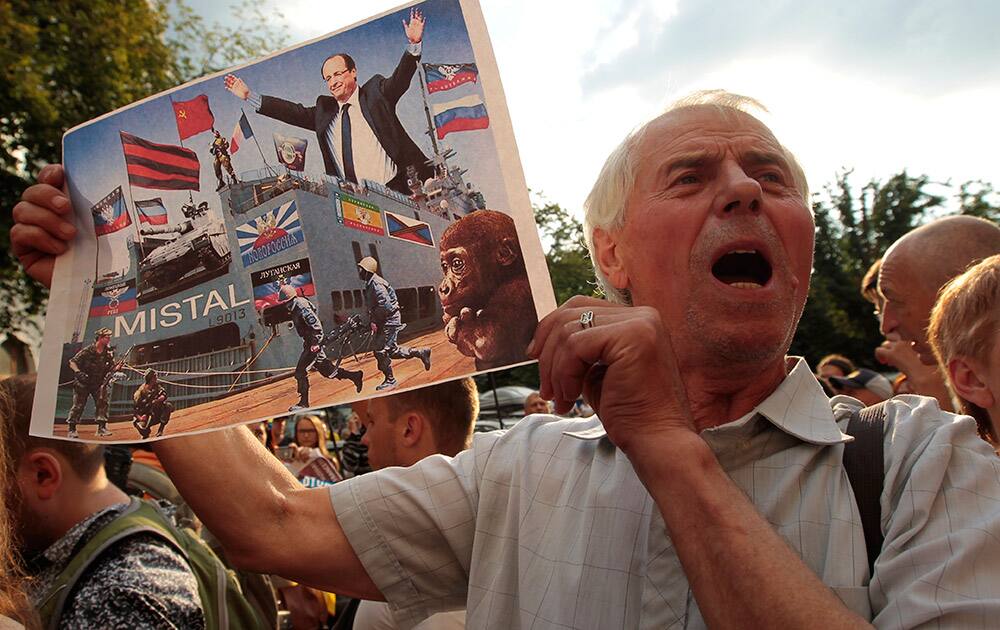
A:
[187,252]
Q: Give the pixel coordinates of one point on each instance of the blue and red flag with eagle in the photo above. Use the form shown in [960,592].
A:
[444,76]
[110,214]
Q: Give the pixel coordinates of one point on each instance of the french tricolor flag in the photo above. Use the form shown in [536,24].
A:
[241,133]
[463,114]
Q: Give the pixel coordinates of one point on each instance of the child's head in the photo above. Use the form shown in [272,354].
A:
[965,334]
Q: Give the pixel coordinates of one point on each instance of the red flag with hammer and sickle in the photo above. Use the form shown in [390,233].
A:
[193,116]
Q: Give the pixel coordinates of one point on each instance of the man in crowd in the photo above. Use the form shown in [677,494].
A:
[63,501]
[92,367]
[401,430]
[534,403]
[709,488]
[310,329]
[865,385]
[359,133]
[965,335]
[922,261]
[834,365]
[385,318]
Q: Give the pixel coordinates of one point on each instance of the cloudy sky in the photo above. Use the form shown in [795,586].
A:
[876,86]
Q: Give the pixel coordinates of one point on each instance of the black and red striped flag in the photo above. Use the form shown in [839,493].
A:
[159,166]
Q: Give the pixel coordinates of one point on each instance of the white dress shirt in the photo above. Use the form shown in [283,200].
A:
[370,159]
[548,526]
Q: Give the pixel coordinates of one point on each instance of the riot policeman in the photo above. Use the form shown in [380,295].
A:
[307,325]
[383,313]
[220,149]
[92,369]
[150,406]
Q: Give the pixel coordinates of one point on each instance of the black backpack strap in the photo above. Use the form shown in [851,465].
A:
[865,465]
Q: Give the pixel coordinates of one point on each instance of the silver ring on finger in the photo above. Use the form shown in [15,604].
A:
[587,319]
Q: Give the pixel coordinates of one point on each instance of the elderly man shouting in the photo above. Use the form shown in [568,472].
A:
[708,491]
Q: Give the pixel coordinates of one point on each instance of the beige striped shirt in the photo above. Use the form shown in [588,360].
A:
[548,526]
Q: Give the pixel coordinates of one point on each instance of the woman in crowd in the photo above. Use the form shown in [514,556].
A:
[310,443]
[14,607]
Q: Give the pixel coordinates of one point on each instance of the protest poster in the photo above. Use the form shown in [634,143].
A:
[253,240]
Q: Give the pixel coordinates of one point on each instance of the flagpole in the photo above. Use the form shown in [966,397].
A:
[181,140]
[432,130]
[254,136]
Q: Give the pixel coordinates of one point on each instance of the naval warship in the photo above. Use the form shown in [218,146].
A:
[196,317]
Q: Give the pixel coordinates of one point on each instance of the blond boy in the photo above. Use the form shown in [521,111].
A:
[964,332]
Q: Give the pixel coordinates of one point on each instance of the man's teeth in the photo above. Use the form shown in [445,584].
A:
[743,251]
[746,285]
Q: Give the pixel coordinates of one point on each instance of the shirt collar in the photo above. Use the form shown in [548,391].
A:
[799,407]
[354,101]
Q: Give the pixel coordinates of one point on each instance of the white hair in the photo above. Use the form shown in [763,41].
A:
[605,205]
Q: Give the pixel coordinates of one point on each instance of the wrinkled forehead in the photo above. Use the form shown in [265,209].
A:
[695,125]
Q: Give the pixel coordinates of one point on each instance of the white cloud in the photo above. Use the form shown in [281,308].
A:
[876,86]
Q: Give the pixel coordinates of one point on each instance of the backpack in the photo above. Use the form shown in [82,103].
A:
[865,466]
[257,588]
[222,600]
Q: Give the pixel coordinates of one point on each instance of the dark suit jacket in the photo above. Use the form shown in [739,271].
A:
[378,98]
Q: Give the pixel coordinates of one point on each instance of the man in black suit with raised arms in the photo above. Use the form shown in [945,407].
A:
[359,133]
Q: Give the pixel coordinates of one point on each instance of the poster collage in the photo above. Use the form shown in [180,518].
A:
[314,228]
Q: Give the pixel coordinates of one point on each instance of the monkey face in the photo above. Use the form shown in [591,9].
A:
[461,286]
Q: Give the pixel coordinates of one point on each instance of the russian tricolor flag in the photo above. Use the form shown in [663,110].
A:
[463,114]
[241,133]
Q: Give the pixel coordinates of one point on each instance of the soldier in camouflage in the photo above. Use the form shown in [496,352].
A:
[92,367]
[150,406]
[383,313]
[220,149]
[307,325]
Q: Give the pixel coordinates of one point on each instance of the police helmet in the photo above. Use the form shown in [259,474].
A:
[369,264]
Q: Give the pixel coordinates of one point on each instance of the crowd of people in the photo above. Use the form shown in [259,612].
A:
[714,487]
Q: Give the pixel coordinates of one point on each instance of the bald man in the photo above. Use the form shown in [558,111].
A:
[921,262]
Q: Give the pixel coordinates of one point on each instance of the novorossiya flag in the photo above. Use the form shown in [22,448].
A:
[159,166]
[407,229]
[463,114]
[441,76]
[151,211]
[241,133]
[110,214]
[193,117]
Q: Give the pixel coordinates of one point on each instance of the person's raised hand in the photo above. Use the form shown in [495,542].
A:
[414,29]
[43,224]
[622,362]
[237,86]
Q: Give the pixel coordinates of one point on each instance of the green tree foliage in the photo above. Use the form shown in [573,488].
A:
[65,62]
[853,230]
[978,199]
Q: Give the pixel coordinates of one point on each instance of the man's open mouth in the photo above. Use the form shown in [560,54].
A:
[743,269]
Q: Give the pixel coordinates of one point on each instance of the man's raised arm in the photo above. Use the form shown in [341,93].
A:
[264,518]
[262,515]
